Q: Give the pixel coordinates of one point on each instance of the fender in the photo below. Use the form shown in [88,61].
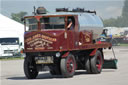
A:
[65,55]
[93,52]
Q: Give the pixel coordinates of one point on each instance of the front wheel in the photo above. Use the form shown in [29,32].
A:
[30,69]
[68,66]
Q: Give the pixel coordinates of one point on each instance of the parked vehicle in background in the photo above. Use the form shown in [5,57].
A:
[10,44]
[125,39]
[116,36]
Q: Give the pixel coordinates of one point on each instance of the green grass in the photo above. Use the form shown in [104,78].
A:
[123,44]
[11,58]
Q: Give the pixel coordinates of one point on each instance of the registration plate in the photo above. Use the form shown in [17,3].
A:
[44,60]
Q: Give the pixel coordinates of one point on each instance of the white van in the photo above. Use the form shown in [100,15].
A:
[11,43]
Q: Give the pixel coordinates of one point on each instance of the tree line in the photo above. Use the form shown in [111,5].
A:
[121,21]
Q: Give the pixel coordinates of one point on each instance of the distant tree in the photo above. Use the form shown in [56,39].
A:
[121,21]
[17,16]
[125,9]
[109,22]
[125,14]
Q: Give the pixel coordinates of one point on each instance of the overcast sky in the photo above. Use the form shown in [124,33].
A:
[104,8]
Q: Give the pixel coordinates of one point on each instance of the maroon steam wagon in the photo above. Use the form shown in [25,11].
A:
[65,41]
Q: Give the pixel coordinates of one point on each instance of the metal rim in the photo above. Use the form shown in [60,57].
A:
[99,62]
[70,65]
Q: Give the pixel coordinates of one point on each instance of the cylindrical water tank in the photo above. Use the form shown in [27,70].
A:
[91,22]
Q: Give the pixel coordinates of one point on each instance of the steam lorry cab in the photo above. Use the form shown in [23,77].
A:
[49,41]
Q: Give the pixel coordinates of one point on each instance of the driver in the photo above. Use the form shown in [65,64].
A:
[70,24]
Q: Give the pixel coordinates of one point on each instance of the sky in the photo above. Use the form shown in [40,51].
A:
[105,8]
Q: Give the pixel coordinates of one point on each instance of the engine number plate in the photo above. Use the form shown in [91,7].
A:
[44,60]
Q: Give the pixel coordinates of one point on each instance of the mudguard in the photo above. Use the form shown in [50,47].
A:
[65,55]
[93,52]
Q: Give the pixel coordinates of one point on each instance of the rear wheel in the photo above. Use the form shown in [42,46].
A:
[68,66]
[96,63]
[87,65]
[30,69]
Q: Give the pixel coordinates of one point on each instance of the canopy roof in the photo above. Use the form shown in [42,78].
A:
[10,28]
[9,24]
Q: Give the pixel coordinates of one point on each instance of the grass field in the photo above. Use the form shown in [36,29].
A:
[123,44]
[11,58]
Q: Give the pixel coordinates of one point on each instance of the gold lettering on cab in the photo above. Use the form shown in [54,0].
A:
[48,38]
[87,38]
[40,42]
[29,48]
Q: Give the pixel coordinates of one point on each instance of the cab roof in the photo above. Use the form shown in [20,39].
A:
[62,14]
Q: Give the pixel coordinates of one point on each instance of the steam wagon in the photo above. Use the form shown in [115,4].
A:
[65,41]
